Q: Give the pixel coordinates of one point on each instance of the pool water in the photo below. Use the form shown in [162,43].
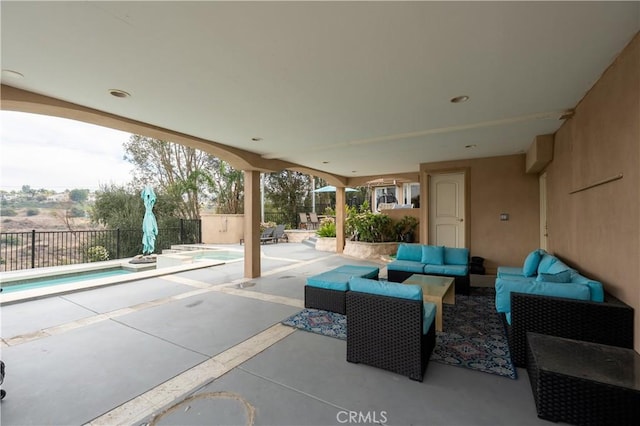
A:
[65,279]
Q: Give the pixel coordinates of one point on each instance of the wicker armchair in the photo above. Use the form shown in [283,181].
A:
[608,323]
[386,332]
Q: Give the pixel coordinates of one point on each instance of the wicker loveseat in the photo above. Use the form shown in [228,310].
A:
[390,327]
[431,260]
[546,296]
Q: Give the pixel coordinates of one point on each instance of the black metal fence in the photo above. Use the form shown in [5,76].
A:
[38,249]
[291,220]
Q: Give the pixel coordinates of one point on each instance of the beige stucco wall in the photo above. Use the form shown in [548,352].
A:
[598,230]
[222,228]
[497,185]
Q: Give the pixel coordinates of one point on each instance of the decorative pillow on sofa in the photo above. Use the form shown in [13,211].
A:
[411,252]
[560,277]
[432,255]
[456,256]
[531,263]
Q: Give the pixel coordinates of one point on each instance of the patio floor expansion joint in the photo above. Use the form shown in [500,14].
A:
[158,398]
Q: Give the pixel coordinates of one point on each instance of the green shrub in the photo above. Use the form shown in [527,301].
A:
[33,212]
[327,228]
[97,254]
[369,227]
[9,212]
[76,212]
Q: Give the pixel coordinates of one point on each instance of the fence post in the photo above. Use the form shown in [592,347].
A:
[181,230]
[33,249]
[118,243]
[199,231]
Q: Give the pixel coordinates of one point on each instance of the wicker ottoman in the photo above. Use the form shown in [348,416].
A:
[326,291]
[583,383]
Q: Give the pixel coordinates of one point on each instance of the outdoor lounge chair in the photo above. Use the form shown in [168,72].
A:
[313,219]
[279,234]
[389,332]
[304,221]
[267,235]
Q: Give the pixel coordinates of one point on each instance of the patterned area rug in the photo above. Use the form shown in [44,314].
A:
[474,337]
[321,322]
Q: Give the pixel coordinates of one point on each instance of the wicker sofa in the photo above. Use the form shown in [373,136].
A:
[390,327]
[431,260]
[572,307]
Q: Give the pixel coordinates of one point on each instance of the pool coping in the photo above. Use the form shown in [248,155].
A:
[60,289]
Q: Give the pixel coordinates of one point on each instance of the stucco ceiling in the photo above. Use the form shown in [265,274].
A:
[350,88]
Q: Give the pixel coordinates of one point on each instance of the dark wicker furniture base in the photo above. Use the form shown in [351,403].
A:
[463,285]
[325,299]
[608,323]
[583,383]
[386,332]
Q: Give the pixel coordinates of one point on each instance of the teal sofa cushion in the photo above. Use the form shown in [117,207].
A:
[412,252]
[359,271]
[509,271]
[504,288]
[531,262]
[559,277]
[330,280]
[434,269]
[386,288]
[432,255]
[595,287]
[457,270]
[428,316]
[456,256]
[557,267]
[406,266]
[545,263]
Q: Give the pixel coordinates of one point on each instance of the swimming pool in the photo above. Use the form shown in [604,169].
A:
[28,284]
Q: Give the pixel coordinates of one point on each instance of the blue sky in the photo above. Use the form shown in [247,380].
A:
[59,154]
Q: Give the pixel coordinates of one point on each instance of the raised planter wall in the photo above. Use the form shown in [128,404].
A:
[369,250]
[326,244]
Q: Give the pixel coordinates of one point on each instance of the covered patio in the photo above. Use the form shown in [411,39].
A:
[350,92]
[206,347]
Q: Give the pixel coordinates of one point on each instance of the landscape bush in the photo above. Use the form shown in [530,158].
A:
[97,254]
[33,212]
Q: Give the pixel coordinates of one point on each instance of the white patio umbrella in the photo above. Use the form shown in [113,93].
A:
[331,188]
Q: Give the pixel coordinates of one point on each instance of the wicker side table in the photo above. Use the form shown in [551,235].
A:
[583,383]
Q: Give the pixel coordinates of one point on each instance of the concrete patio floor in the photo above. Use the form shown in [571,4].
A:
[206,347]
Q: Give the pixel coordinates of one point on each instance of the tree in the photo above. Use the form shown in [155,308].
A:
[79,195]
[286,190]
[185,174]
[228,186]
[120,207]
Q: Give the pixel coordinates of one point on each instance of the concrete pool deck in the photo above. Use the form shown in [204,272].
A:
[205,346]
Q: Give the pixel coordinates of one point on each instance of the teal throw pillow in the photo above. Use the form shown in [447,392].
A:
[560,277]
[531,264]
[432,255]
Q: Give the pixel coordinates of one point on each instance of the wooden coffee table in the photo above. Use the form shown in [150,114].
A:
[436,290]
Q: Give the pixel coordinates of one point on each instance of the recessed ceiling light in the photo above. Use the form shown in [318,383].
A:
[119,93]
[325,162]
[459,99]
[470,146]
[256,139]
[353,171]
[11,74]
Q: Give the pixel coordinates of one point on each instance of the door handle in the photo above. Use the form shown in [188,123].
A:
[460,220]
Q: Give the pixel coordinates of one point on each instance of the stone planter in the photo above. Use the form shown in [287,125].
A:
[369,250]
[326,244]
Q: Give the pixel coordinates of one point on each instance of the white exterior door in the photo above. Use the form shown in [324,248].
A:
[447,210]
